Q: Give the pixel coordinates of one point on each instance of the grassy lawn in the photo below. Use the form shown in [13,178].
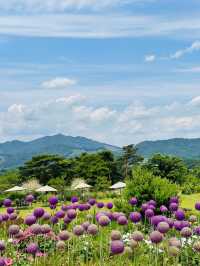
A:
[188,201]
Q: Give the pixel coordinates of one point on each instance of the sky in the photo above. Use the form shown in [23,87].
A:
[116,71]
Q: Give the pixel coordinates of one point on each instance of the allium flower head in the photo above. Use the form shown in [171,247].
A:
[152,202]
[156,237]
[74,199]
[7,203]
[196,246]
[186,232]
[163,208]
[197,206]
[85,225]
[133,201]
[54,220]
[38,213]
[10,210]
[144,207]
[46,216]
[53,200]
[45,229]
[155,220]
[135,217]
[137,236]
[78,230]
[66,219]
[60,214]
[163,227]
[13,229]
[122,220]
[174,200]
[133,244]
[192,218]
[2,245]
[5,216]
[117,247]
[174,251]
[173,206]
[92,229]
[180,215]
[103,220]
[71,214]
[175,242]
[13,216]
[64,235]
[30,219]
[36,229]
[60,245]
[149,213]
[197,230]
[65,208]
[92,201]
[116,235]
[32,248]
[2,262]
[100,205]
[29,198]
[109,205]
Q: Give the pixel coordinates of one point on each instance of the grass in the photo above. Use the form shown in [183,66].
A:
[188,201]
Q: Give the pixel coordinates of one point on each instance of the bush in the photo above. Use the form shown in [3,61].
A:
[191,185]
[145,186]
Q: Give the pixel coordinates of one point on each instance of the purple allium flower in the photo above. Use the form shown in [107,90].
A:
[109,205]
[7,203]
[156,237]
[152,202]
[20,234]
[1,218]
[60,245]
[71,214]
[178,225]
[2,262]
[117,247]
[67,220]
[186,232]
[170,222]
[65,208]
[175,242]
[155,220]
[135,217]
[116,235]
[85,225]
[81,207]
[196,246]
[38,213]
[64,235]
[149,213]
[13,216]
[103,220]
[29,198]
[30,219]
[53,200]
[137,236]
[78,230]
[174,200]
[60,214]
[133,201]
[197,230]
[2,245]
[45,229]
[36,229]
[46,216]
[92,202]
[54,220]
[122,220]
[5,217]
[100,205]
[74,199]
[173,206]
[152,207]
[92,229]
[52,207]
[197,206]
[180,215]
[144,207]
[32,248]
[116,215]
[10,210]
[163,227]
[163,208]
[133,244]
[13,229]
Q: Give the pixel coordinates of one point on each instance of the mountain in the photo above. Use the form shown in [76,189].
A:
[185,148]
[15,153]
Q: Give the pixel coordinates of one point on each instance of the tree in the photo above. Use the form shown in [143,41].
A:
[172,168]
[9,179]
[45,168]
[130,158]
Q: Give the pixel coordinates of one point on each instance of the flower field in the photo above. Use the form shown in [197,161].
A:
[94,233]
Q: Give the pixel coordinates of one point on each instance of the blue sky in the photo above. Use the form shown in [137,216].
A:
[118,71]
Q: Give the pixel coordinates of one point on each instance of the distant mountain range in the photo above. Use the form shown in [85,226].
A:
[15,153]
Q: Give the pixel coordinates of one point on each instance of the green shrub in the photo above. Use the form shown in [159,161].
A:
[191,185]
[145,186]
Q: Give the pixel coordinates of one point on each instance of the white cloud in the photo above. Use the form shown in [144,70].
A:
[150,58]
[180,53]
[98,26]
[75,115]
[58,83]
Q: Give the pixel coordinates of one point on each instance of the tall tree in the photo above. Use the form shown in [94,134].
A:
[130,158]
